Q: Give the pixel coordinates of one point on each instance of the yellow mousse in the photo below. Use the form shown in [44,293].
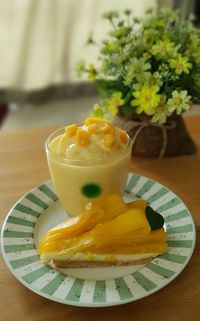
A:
[107,226]
[94,153]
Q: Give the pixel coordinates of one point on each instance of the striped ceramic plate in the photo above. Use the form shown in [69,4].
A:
[40,210]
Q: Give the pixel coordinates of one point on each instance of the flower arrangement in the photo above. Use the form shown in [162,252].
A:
[147,67]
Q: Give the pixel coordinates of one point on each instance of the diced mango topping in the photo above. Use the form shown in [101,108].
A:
[97,138]
[109,140]
[94,120]
[82,137]
[71,130]
[92,128]
[108,129]
[95,125]
[123,137]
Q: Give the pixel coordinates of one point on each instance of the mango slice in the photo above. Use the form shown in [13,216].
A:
[155,242]
[78,244]
[116,231]
[142,204]
[160,248]
[127,240]
[100,211]
[108,225]
[74,226]
[130,221]
[112,205]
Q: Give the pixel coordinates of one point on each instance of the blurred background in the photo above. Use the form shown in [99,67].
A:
[40,44]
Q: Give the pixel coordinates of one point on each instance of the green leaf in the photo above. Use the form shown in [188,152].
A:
[156,221]
[108,87]
[127,110]
[121,32]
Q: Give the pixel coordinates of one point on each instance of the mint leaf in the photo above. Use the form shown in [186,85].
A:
[155,220]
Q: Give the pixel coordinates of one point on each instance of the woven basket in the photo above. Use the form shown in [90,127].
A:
[154,140]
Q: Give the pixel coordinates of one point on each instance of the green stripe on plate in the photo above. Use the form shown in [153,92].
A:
[75,291]
[54,284]
[173,202]
[36,200]
[147,284]
[180,229]
[16,234]
[145,188]
[166,273]
[177,216]
[122,289]
[25,209]
[161,192]
[18,247]
[132,182]
[35,275]
[180,243]
[100,292]
[173,258]
[48,192]
[24,261]
[20,221]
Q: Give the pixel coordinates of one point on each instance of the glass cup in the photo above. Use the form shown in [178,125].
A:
[77,182]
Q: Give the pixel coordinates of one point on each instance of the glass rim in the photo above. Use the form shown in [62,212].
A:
[82,162]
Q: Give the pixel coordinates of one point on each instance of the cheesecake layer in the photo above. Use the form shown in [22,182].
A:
[79,260]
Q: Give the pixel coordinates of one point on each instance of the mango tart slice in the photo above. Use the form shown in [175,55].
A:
[108,225]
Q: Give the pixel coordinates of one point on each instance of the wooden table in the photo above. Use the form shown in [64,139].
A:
[23,166]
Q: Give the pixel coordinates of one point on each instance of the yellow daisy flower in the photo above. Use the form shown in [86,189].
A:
[163,49]
[146,99]
[179,102]
[161,112]
[115,102]
[180,64]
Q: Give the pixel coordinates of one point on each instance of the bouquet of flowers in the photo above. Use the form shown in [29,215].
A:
[148,68]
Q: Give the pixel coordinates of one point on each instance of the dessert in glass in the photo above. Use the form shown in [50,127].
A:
[88,162]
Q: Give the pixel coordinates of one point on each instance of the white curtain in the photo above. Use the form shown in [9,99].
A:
[41,40]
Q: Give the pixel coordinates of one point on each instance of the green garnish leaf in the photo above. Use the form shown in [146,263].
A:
[156,221]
